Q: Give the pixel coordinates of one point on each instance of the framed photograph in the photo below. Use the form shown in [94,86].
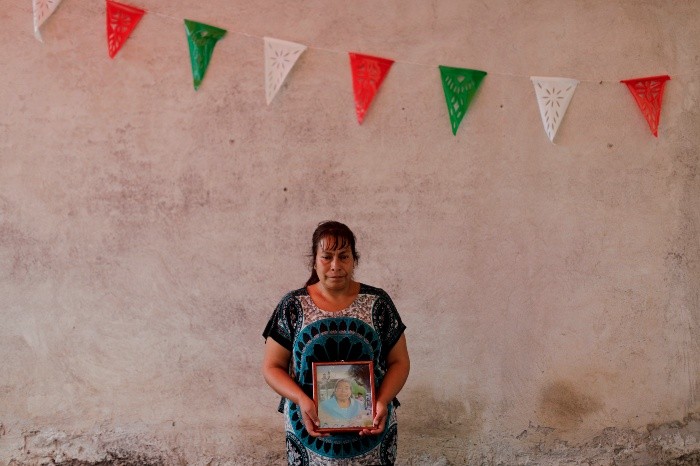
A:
[344,395]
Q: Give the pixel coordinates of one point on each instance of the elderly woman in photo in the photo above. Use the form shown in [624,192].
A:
[335,318]
[341,405]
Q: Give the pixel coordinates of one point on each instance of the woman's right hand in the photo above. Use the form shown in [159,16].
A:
[275,370]
[309,416]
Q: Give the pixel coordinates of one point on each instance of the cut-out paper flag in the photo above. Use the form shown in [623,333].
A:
[649,94]
[121,21]
[367,75]
[460,85]
[553,97]
[202,38]
[280,57]
[42,10]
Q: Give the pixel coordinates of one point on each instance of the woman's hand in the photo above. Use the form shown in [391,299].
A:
[379,423]
[310,417]
[398,366]
[275,370]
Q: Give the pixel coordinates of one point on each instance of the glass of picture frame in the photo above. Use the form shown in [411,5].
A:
[344,395]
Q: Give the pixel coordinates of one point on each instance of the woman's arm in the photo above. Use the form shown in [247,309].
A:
[275,370]
[398,367]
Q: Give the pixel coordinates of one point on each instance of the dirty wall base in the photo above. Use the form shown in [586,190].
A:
[672,444]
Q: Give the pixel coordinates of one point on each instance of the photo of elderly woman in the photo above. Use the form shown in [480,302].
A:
[344,396]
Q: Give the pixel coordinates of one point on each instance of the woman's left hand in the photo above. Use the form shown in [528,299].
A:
[398,365]
[379,422]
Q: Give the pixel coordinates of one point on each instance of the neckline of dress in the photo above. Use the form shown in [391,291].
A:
[359,292]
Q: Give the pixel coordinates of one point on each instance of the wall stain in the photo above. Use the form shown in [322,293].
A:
[26,257]
[432,423]
[194,192]
[421,409]
[563,405]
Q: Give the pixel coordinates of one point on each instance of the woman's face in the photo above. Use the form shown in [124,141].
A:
[334,267]
[342,391]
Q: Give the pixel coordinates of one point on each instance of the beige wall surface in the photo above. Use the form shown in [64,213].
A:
[147,230]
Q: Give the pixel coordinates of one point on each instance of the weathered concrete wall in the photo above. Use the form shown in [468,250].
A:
[147,230]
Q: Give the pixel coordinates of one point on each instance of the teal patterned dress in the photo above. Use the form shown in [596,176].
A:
[366,330]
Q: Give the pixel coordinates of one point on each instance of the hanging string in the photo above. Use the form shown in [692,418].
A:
[694,74]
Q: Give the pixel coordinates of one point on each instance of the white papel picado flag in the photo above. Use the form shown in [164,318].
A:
[553,97]
[42,10]
[280,57]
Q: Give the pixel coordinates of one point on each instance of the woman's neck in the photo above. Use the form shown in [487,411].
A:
[344,403]
[333,300]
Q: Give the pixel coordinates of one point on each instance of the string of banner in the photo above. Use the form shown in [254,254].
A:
[460,85]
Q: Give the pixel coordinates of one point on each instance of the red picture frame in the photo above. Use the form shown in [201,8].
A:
[344,395]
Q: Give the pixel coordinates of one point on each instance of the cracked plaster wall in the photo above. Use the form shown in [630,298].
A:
[147,230]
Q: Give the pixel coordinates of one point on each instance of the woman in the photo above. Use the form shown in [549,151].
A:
[341,406]
[334,318]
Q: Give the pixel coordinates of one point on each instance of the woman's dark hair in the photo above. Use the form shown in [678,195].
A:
[338,236]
